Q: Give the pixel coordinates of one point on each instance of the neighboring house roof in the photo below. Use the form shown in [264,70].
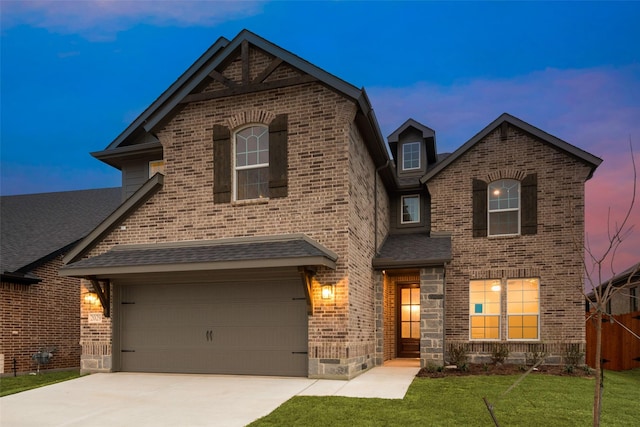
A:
[629,276]
[413,250]
[582,155]
[140,132]
[37,227]
[235,253]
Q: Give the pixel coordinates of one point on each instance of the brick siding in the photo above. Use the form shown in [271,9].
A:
[330,199]
[553,254]
[40,316]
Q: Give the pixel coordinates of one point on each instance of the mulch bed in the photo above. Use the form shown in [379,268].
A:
[503,369]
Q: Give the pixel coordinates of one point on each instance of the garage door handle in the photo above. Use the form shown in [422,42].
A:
[127,351]
[209,335]
[299,352]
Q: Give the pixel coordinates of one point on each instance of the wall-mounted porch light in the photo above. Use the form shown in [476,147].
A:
[91,298]
[327,291]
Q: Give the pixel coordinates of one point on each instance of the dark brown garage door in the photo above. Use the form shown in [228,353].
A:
[254,326]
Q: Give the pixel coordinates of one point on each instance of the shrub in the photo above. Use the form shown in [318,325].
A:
[573,355]
[499,353]
[459,355]
[535,355]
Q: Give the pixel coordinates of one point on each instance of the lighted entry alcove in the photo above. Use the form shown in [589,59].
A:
[412,315]
[401,289]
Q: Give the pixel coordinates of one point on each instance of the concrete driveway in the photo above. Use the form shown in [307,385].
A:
[131,399]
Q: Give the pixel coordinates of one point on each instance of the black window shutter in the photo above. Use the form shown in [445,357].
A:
[278,163]
[479,208]
[529,204]
[221,164]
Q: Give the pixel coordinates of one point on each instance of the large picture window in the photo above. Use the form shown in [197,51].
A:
[523,309]
[504,207]
[252,163]
[484,309]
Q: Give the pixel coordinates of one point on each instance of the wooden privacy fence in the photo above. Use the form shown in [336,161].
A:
[619,346]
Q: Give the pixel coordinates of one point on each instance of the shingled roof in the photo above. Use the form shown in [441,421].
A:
[413,250]
[232,253]
[37,227]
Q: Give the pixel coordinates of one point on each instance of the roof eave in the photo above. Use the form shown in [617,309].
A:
[382,263]
[588,158]
[319,261]
[20,278]
[143,194]
[142,119]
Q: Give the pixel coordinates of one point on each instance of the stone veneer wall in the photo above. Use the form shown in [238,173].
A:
[39,317]
[432,316]
[553,254]
[324,151]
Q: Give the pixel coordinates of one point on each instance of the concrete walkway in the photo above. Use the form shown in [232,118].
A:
[120,399]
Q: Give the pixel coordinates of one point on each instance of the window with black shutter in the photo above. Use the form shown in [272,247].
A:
[505,207]
[252,163]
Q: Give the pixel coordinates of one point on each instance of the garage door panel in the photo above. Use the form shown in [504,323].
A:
[244,327]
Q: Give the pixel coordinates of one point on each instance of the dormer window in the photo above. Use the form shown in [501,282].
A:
[411,156]
[410,209]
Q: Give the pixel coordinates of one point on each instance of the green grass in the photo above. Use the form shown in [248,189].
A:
[457,401]
[11,385]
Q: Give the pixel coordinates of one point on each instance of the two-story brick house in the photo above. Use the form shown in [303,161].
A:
[265,229]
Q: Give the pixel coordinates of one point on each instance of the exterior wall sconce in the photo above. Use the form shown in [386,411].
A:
[91,298]
[327,291]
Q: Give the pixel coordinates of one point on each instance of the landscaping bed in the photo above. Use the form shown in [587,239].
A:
[503,369]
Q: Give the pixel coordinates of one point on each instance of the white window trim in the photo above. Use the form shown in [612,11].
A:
[522,314]
[406,144]
[402,221]
[518,209]
[234,180]
[499,314]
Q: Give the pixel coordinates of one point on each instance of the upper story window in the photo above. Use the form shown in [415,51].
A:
[411,156]
[251,163]
[504,207]
[410,209]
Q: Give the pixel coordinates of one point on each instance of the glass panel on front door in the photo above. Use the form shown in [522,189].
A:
[409,319]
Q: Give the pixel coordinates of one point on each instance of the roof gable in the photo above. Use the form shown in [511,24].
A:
[209,68]
[564,146]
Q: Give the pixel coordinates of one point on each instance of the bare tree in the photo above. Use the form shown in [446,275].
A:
[595,268]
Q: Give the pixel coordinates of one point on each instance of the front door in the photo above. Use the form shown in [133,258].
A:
[408,320]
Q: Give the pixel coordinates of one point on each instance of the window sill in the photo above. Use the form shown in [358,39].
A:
[504,236]
[249,202]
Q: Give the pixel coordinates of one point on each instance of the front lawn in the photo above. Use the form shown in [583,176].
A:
[11,385]
[457,401]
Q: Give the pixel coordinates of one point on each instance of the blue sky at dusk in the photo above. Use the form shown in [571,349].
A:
[74,74]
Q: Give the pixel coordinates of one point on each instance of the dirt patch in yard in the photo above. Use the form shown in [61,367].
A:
[503,369]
